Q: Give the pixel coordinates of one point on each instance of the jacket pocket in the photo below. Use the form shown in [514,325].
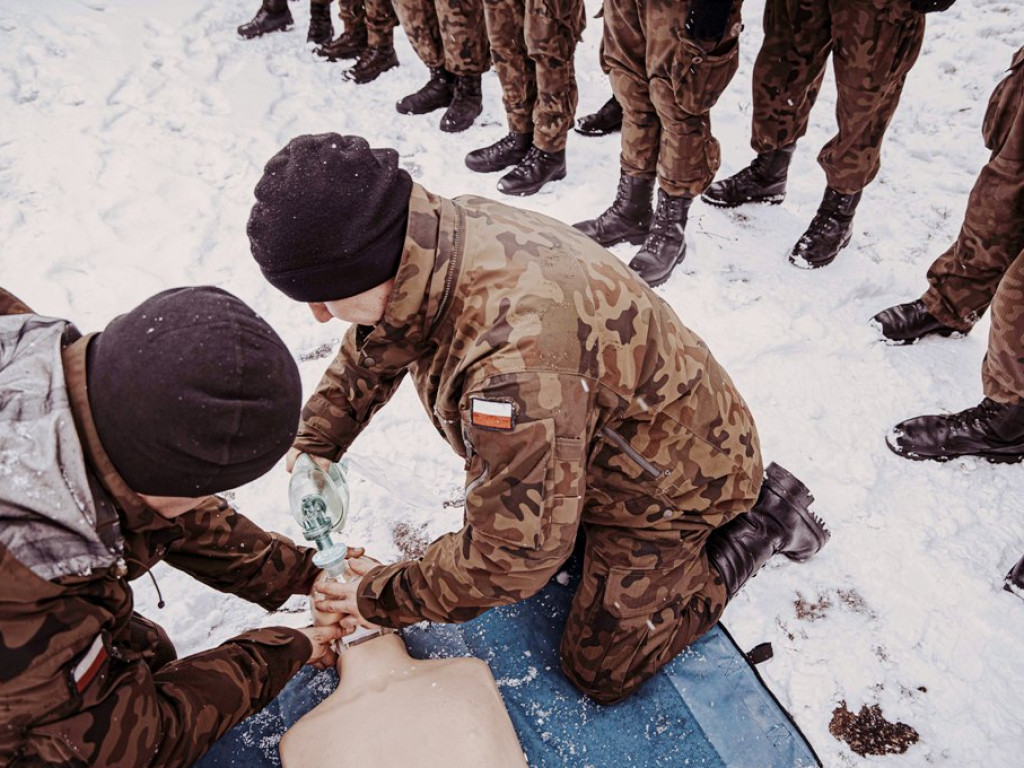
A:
[509,490]
[1004,106]
[699,78]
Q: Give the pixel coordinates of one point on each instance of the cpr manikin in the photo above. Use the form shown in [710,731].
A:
[391,710]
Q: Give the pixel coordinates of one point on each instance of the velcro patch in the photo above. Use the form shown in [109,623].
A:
[86,669]
[492,414]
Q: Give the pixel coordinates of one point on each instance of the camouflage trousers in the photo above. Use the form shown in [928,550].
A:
[377,16]
[532,47]
[667,85]
[985,266]
[447,33]
[626,623]
[873,43]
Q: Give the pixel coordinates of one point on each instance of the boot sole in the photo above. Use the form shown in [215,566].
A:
[603,132]
[664,280]
[991,458]
[801,263]
[285,28]
[533,190]
[493,168]
[798,497]
[767,200]
[459,128]
[421,111]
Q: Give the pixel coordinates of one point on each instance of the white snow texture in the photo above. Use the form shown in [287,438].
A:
[132,135]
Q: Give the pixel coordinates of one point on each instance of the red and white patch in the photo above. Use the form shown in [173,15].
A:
[85,670]
[492,414]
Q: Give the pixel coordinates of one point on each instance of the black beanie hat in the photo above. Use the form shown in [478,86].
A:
[330,217]
[192,393]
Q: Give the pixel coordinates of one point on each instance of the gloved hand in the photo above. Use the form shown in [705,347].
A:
[928,6]
[709,19]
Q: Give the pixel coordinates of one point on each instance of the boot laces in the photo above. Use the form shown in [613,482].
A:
[976,417]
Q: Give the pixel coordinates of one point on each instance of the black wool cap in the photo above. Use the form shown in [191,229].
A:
[192,393]
[330,217]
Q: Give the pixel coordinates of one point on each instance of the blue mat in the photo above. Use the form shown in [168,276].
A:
[708,707]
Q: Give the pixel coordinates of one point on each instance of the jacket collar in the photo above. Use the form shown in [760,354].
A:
[137,515]
[424,284]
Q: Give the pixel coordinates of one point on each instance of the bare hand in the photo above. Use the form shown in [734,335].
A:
[341,598]
[293,454]
[322,639]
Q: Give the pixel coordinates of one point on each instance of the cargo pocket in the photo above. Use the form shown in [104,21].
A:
[1004,106]
[699,78]
[639,609]
[513,492]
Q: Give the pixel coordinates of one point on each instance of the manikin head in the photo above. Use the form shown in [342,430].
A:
[328,226]
[192,393]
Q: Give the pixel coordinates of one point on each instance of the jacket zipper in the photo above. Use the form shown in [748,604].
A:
[632,452]
[449,277]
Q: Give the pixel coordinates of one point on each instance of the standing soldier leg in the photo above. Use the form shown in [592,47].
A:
[423,29]
[687,76]
[380,23]
[786,81]
[628,219]
[963,280]
[466,56]
[608,119]
[873,52]
[551,32]
[379,54]
[321,30]
[352,41]
[506,20]
[993,429]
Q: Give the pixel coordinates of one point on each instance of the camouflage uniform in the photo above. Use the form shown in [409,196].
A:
[378,16]
[986,263]
[667,84]
[580,403]
[873,44]
[137,706]
[447,33]
[532,46]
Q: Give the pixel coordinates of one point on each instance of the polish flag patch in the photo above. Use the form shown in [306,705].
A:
[492,414]
[85,670]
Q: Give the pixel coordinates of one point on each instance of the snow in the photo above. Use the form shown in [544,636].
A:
[133,133]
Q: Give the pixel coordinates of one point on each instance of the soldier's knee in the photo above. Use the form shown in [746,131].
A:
[601,688]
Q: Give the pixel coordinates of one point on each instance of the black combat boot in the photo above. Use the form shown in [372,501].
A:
[665,244]
[373,62]
[781,522]
[907,323]
[437,93]
[1015,579]
[348,45]
[829,232]
[763,181]
[535,170]
[321,30]
[466,106]
[994,431]
[608,119]
[629,217]
[272,16]
[506,151]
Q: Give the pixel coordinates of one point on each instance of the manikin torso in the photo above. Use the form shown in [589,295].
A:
[391,710]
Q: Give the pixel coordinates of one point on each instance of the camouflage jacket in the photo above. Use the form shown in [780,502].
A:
[84,681]
[574,393]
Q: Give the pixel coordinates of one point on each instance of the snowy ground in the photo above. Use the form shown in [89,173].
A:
[132,134]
